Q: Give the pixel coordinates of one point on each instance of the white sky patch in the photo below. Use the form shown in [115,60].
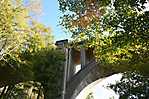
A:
[105,33]
[147,6]
[103,93]
[99,90]
[77,68]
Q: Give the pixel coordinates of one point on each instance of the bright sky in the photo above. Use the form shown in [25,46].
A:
[50,17]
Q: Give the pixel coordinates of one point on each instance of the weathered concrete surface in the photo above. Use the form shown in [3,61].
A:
[90,73]
[78,82]
[89,89]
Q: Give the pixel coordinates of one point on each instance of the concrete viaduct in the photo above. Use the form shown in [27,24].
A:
[80,69]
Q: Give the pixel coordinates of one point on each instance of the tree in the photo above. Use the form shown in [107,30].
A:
[48,70]
[132,86]
[27,53]
[119,34]
[12,33]
[18,31]
[113,21]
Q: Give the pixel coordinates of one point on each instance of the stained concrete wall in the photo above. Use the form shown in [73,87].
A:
[88,73]
[74,83]
[83,78]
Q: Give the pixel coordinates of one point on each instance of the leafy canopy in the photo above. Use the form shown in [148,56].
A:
[117,30]
[27,53]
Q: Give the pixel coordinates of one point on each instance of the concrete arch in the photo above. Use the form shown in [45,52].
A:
[83,78]
[75,82]
[99,90]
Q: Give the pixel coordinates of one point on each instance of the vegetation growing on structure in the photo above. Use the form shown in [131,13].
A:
[90,96]
[117,29]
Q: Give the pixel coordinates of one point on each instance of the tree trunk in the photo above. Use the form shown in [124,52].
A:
[39,92]
[46,94]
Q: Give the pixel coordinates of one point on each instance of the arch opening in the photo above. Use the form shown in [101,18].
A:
[99,90]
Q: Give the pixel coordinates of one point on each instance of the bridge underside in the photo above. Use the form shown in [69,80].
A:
[83,78]
[90,70]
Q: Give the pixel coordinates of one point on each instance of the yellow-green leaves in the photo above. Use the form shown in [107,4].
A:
[19,31]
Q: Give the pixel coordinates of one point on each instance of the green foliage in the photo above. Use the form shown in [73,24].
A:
[23,90]
[45,68]
[117,30]
[20,35]
[119,34]
[10,38]
[27,53]
[132,86]
[48,70]
[17,28]
[90,96]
